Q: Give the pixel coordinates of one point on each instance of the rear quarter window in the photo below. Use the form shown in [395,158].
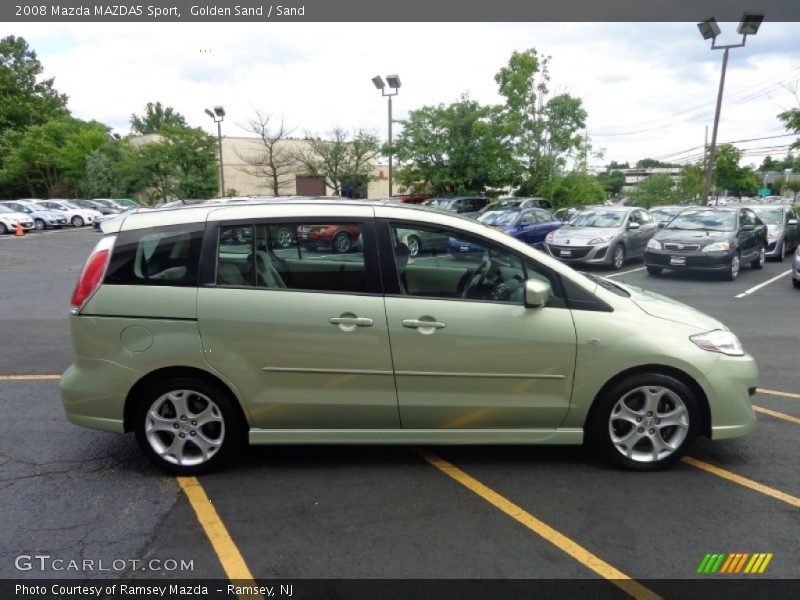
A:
[167,256]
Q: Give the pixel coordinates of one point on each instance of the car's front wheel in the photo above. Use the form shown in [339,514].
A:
[732,270]
[618,257]
[654,270]
[3,229]
[414,246]
[342,242]
[77,221]
[758,263]
[646,422]
[186,426]
[40,224]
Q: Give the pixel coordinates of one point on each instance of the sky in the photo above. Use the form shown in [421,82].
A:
[649,89]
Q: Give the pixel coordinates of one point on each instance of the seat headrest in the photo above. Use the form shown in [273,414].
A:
[401,256]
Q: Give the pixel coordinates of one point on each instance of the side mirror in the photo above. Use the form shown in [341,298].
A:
[633,226]
[792,222]
[748,227]
[537,293]
[661,224]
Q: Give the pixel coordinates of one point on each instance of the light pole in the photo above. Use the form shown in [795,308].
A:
[710,30]
[219,115]
[394,83]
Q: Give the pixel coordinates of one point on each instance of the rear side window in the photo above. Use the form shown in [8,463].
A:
[160,256]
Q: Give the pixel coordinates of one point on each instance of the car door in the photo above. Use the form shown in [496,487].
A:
[467,353]
[747,235]
[792,229]
[649,227]
[300,332]
[526,227]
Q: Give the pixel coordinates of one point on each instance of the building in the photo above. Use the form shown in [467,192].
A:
[633,177]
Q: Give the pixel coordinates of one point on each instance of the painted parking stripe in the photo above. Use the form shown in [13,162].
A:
[228,554]
[28,377]
[559,540]
[777,393]
[625,272]
[776,414]
[755,288]
[744,481]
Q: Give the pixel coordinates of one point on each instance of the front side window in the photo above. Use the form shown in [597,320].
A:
[318,257]
[461,268]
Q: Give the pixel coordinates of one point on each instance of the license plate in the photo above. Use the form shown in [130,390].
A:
[464,248]
[678,260]
[566,253]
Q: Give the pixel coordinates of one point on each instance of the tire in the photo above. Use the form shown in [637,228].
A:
[733,268]
[173,399]
[3,229]
[654,270]
[796,283]
[618,257]
[627,422]
[759,262]
[342,242]
[284,237]
[77,221]
[780,252]
[39,224]
[414,246]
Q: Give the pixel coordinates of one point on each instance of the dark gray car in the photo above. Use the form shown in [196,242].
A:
[783,229]
[604,235]
[468,206]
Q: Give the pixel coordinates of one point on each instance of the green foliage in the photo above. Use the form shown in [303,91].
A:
[656,189]
[615,166]
[459,148]
[574,189]
[690,183]
[791,120]
[729,176]
[790,161]
[651,163]
[112,171]
[340,161]
[794,186]
[156,118]
[612,182]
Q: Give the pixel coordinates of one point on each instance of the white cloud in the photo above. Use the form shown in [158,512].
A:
[631,77]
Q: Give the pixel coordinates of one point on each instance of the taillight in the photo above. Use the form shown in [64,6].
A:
[92,273]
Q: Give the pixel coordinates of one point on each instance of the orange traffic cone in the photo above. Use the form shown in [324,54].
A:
[19,232]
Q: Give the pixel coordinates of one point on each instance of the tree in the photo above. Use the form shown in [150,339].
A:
[274,161]
[656,189]
[113,171]
[791,120]
[612,182]
[690,183]
[156,118]
[463,147]
[574,189]
[338,160]
[729,176]
[794,186]
[546,131]
[651,163]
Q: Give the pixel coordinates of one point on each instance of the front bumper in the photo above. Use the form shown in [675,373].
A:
[773,248]
[687,260]
[579,254]
[728,391]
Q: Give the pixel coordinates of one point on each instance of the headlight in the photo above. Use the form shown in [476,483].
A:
[717,247]
[549,237]
[654,244]
[602,239]
[724,342]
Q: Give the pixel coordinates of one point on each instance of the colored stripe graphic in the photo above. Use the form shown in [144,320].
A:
[737,562]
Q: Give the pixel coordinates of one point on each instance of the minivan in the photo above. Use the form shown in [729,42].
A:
[194,331]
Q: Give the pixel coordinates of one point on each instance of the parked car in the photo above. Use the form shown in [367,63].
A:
[530,225]
[783,229]
[340,238]
[9,219]
[468,206]
[603,235]
[98,206]
[717,239]
[420,241]
[76,215]
[42,217]
[412,198]
[359,349]
[796,268]
[565,214]
[512,202]
[664,214]
[98,221]
[111,203]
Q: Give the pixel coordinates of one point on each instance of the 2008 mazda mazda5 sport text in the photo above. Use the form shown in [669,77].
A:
[203,328]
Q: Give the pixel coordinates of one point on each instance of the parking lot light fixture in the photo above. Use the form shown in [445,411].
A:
[710,30]
[218,115]
[394,84]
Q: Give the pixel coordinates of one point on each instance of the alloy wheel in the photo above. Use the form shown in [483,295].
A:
[40,225]
[619,258]
[413,246]
[734,267]
[284,237]
[184,427]
[77,221]
[341,243]
[648,423]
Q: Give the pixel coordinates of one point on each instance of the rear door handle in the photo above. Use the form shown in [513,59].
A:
[358,321]
[418,324]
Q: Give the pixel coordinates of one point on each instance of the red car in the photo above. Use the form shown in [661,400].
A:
[412,198]
[341,238]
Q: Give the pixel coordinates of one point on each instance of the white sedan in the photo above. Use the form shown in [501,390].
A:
[76,215]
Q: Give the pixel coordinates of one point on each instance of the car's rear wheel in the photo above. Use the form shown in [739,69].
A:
[646,422]
[284,237]
[618,257]
[414,245]
[186,426]
[77,221]
[654,270]
[758,263]
[3,229]
[732,269]
[40,224]
[342,242]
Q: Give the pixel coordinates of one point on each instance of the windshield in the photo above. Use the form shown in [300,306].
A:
[770,216]
[666,212]
[69,205]
[5,209]
[608,284]
[439,202]
[599,218]
[499,218]
[704,220]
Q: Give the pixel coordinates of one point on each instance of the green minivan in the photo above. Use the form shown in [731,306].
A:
[201,329]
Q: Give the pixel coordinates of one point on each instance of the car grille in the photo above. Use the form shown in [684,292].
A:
[575,251]
[681,247]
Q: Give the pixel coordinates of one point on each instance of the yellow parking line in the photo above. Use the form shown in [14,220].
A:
[748,483]
[559,540]
[777,415]
[228,554]
[777,393]
[28,377]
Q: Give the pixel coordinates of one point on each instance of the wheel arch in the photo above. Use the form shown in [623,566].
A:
[681,376]
[154,377]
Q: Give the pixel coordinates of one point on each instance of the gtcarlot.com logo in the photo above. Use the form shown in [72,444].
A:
[728,564]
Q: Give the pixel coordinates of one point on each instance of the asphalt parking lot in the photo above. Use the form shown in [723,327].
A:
[391,512]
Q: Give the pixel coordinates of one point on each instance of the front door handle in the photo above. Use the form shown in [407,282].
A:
[420,324]
[357,321]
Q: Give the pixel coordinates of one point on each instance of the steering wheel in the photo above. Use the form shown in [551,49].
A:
[477,279]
